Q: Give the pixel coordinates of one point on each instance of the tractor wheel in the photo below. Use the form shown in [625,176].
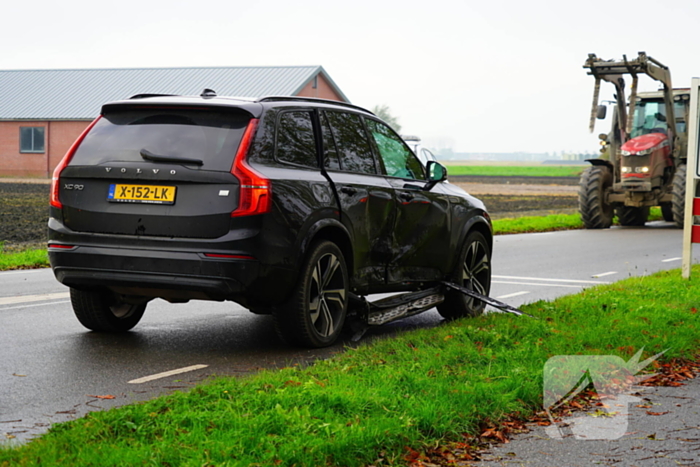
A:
[595,212]
[632,216]
[667,211]
[678,195]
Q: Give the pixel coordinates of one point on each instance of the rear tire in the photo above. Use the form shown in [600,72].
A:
[315,314]
[595,212]
[632,216]
[102,311]
[474,273]
[678,195]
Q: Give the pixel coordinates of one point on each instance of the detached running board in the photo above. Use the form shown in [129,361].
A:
[404,305]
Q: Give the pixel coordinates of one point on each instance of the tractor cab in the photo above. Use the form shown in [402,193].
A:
[647,159]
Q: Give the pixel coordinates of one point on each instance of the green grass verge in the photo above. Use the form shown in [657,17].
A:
[417,389]
[531,224]
[27,259]
[516,171]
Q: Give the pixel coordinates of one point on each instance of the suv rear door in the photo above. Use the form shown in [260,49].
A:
[366,199]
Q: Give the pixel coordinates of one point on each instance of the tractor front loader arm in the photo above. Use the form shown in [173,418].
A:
[614,71]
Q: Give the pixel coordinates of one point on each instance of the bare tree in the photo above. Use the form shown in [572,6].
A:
[384,112]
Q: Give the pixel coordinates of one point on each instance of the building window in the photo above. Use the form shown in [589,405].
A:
[31,139]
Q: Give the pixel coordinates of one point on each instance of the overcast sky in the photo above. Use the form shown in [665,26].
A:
[477,76]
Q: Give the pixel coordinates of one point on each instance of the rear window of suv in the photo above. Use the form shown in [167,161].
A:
[121,135]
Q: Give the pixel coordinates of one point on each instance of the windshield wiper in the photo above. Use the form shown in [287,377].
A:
[149,156]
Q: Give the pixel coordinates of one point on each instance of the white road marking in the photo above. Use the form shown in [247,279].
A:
[36,304]
[165,374]
[670,259]
[21,271]
[33,298]
[550,280]
[539,284]
[511,295]
[603,274]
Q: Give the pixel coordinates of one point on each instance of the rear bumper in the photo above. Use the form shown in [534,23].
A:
[165,274]
[176,269]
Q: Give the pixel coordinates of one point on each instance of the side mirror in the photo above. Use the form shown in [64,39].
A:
[436,173]
[601,112]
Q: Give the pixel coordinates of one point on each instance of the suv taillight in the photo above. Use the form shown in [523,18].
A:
[256,191]
[53,199]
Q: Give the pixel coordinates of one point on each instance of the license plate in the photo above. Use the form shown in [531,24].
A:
[121,193]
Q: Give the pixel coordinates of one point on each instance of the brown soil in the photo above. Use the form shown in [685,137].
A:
[520,189]
[523,196]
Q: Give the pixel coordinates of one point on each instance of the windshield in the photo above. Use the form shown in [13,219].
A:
[191,134]
[650,117]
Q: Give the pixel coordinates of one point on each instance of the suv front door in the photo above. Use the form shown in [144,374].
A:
[421,233]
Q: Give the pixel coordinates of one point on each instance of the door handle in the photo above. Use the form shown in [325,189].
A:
[348,190]
[406,196]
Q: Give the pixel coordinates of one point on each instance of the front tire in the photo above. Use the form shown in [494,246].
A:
[678,195]
[595,212]
[103,311]
[632,216]
[315,314]
[474,273]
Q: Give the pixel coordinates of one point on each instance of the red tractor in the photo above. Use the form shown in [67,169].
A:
[643,161]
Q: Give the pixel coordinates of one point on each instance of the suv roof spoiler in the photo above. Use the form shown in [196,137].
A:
[145,96]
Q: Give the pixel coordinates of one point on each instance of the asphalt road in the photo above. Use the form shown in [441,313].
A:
[52,369]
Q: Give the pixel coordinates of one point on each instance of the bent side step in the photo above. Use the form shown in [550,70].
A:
[488,300]
[404,305]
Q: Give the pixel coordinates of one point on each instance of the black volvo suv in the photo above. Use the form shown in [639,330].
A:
[288,206]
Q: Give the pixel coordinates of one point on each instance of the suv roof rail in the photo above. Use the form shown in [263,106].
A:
[312,99]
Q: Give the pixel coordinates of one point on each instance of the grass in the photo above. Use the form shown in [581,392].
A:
[24,259]
[516,171]
[365,406]
[531,224]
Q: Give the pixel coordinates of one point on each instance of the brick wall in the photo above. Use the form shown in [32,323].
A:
[323,90]
[59,136]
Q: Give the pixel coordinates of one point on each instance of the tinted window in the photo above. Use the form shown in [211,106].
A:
[398,160]
[330,152]
[295,139]
[120,135]
[352,143]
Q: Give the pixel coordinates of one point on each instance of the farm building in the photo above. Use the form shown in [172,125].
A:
[43,111]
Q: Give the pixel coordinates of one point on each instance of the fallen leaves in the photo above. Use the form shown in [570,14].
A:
[494,433]
[649,412]
[108,396]
[673,373]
